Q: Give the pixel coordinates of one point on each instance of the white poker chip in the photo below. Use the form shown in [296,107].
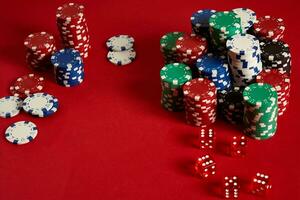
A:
[21,132]
[40,104]
[247,16]
[120,43]
[10,106]
[121,57]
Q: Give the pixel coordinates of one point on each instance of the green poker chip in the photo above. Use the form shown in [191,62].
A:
[168,41]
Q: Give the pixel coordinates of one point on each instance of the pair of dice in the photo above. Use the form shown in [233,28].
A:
[238,144]
[206,166]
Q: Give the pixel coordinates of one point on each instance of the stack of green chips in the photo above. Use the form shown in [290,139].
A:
[173,76]
[261,109]
[222,26]
[168,46]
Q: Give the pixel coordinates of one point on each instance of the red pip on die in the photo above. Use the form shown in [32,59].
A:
[205,166]
[261,184]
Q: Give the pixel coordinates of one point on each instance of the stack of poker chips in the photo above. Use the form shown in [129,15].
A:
[269,27]
[276,54]
[173,76]
[189,48]
[281,82]
[168,46]
[39,48]
[73,28]
[68,67]
[233,106]
[215,69]
[200,22]
[260,113]
[120,50]
[244,58]
[247,16]
[200,99]
[222,26]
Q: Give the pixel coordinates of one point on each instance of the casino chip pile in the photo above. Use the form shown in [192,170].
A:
[168,46]
[73,29]
[173,76]
[68,67]
[39,48]
[261,109]
[121,50]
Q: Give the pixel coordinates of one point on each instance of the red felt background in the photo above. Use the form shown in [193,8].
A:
[110,138]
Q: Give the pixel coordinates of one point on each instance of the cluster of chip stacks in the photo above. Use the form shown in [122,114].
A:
[27,85]
[173,76]
[168,46]
[261,109]
[68,67]
[269,27]
[40,104]
[39,48]
[73,28]
[281,82]
[189,48]
[215,68]
[232,107]
[121,50]
[244,57]
[200,22]
[247,16]
[276,54]
[222,26]
[200,100]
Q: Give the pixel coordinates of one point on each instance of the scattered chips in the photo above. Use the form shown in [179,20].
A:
[21,132]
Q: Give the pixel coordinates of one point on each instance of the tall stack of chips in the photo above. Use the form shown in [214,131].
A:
[248,18]
[276,54]
[200,22]
[200,99]
[244,58]
[73,28]
[233,106]
[68,67]
[222,26]
[39,48]
[168,46]
[173,76]
[260,116]
[269,27]
[281,82]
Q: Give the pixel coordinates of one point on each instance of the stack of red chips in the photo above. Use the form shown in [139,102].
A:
[73,28]
[190,47]
[39,48]
[281,82]
[268,27]
[200,99]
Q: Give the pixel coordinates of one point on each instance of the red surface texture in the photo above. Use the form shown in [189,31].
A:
[110,138]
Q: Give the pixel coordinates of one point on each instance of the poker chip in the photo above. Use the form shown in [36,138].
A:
[40,104]
[120,43]
[168,46]
[68,67]
[215,69]
[10,106]
[121,58]
[247,16]
[29,84]
[21,132]
[73,28]
[260,112]
[173,76]
[244,59]
[200,22]
[200,100]
[269,27]
[281,82]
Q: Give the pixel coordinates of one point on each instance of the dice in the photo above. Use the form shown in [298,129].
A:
[205,166]
[231,187]
[261,184]
[238,146]
[207,138]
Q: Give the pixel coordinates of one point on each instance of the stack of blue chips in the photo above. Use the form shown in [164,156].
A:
[68,67]
[200,22]
[215,69]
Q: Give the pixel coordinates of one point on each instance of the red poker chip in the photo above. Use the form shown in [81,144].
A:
[39,41]
[279,80]
[70,12]
[29,84]
[16,94]
[200,89]
[191,44]
[269,26]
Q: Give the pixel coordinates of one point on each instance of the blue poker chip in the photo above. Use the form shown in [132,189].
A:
[201,18]
[10,106]
[120,43]
[40,104]
[21,132]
